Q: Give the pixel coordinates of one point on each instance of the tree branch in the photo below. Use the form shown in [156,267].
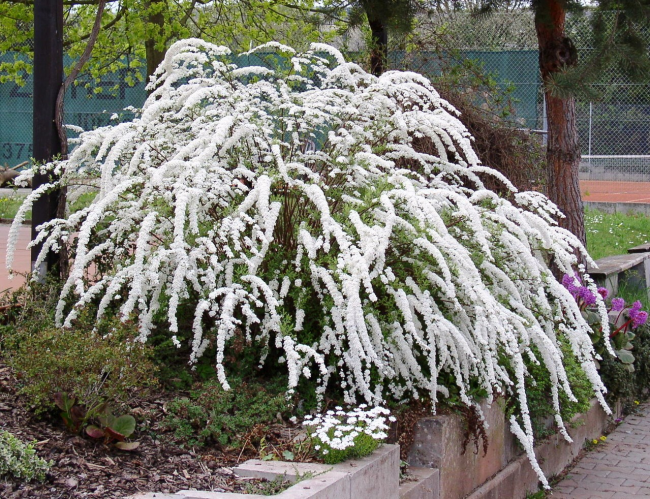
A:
[58,117]
[65,2]
[109,25]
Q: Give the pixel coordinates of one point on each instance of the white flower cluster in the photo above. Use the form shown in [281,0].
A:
[337,429]
[336,220]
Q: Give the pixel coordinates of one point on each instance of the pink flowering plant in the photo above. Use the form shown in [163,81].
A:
[621,319]
[338,435]
[336,223]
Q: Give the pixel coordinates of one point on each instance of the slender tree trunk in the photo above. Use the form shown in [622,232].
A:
[379,38]
[379,49]
[156,18]
[556,52]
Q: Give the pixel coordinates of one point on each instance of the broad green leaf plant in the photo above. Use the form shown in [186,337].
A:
[336,220]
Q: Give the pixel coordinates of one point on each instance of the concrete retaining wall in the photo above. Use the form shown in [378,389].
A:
[504,471]
[440,470]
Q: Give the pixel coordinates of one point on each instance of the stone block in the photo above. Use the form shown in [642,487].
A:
[424,484]
[204,494]
[375,476]
[331,485]
[553,454]
[631,270]
[642,248]
[437,445]
[156,495]
[256,468]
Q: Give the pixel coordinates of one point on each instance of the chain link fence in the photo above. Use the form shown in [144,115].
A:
[614,130]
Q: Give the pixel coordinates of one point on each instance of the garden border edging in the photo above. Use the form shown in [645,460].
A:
[375,476]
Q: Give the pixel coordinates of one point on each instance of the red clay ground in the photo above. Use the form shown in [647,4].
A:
[615,192]
[592,190]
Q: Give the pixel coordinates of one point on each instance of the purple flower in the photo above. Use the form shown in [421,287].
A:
[636,305]
[639,319]
[603,292]
[569,283]
[618,304]
[587,296]
[632,313]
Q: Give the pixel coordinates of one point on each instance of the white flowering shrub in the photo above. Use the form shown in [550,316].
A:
[339,435]
[336,220]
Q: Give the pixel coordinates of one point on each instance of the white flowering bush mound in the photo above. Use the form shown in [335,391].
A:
[339,435]
[336,220]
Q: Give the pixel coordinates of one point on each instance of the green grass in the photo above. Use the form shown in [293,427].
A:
[9,206]
[613,234]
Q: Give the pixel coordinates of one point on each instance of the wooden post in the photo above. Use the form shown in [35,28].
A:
[48,77]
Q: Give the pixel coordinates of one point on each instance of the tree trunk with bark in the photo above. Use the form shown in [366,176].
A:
[379,48]
[378,36]
[154,55]
[557,52]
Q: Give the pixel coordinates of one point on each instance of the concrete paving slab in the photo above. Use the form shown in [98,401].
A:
[620,470]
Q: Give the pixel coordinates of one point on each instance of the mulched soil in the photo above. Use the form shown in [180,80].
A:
[86,468]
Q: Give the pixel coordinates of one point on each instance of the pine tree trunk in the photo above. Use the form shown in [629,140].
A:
[153,54]
[379,47]
[556,52]
[374,10]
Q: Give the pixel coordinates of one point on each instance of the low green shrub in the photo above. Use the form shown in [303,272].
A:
[19,460]
[93,363]
[363,446]
[212,415]
[624,385]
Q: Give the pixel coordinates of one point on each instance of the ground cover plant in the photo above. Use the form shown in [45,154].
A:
[20,460]
[330,224]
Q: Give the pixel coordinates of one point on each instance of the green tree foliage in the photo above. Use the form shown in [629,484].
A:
[136,30]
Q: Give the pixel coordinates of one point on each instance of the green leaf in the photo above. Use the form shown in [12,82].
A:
[288,455]
[95,432]
[625,356]
[592,318]
[124,425]
[105,417]
[63,401]
[619,341]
